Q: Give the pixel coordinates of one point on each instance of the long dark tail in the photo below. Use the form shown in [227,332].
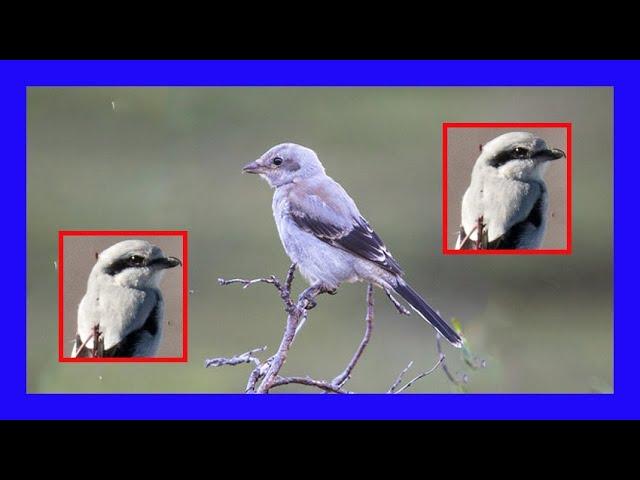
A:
[428,313]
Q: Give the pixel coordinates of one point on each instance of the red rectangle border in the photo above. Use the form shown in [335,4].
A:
[445,234]
[185,293]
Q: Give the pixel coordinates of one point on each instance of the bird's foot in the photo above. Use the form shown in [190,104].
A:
[309,303]
[308,296]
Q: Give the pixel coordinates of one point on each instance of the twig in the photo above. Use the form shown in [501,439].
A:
[255,375]
[401,309]
[247,283]
[341,379]
[294,314]
[303,320]
[84,344]
[445,367]
[308,381]
[466,239]
[97,350]
[265,376]
[95,335]
[246,357]
[440,363]
[395,385]
[480,226]
[288,281]
[422,375]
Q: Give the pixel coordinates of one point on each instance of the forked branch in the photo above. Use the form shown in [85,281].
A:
[266,376]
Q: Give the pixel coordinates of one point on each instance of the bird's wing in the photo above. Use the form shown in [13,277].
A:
[324,209]
[128,345]
[511,239]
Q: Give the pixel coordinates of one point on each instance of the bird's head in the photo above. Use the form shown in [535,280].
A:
[517,155]
[134,264]
[286,163]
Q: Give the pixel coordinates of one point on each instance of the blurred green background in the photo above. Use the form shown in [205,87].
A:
[170,158]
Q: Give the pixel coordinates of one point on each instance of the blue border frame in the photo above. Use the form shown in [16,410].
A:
[15,76]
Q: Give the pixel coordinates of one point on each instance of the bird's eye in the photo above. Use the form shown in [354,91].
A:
[277,161]
[520,152]
[136,260]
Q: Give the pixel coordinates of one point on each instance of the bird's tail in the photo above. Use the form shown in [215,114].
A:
[429,314]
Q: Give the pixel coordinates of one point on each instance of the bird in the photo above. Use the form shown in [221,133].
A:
[507,199]
[324,234]
[123,305]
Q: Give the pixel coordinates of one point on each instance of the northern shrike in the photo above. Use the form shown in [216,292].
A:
[123,301]
[507,194]
[323,232]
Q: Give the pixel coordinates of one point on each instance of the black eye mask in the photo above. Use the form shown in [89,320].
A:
[286,164]
[132,261]
[516,153]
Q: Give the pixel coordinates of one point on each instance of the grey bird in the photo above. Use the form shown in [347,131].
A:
[507,195]
[123,301]
[323,232]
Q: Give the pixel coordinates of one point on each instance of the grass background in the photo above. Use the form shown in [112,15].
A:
[170,158]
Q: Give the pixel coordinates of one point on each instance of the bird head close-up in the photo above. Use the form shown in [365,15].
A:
[517,155]
[286,163]
[133,264]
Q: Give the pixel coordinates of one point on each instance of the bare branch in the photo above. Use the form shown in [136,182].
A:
[265,376]
[341,379]
[288,281]
[95,351]
[246,357]
[255,375]
[308,381]
[395,385]
[445,368]
[294,315]
[480,244]
[422,375]
[466,239]
[247,283]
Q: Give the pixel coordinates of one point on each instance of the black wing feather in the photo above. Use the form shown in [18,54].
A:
[127,346]
[360,240]
[510,240]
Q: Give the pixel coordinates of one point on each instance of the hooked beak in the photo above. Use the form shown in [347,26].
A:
[253,167]
[166,262]
[549,155]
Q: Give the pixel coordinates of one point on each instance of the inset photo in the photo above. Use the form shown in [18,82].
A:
[506,188]
[122,296]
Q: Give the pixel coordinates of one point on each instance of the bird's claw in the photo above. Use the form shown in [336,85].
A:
[309,303]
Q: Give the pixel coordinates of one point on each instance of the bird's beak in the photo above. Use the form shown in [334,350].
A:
[166,262]
[253,167]
[549,155]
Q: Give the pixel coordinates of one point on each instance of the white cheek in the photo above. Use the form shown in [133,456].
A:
[520,169]
[135,278]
